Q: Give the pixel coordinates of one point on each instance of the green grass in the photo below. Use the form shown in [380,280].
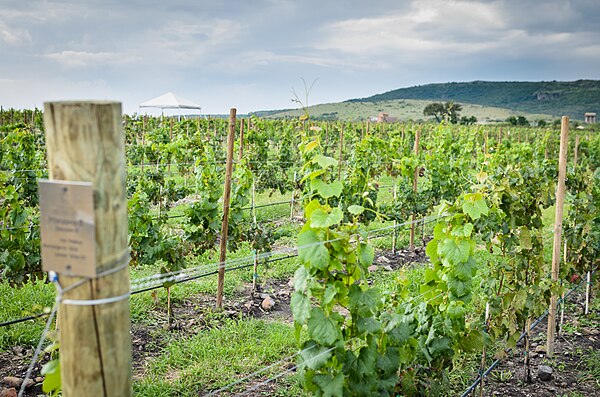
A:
[31,299]
[404,109]
[217,357]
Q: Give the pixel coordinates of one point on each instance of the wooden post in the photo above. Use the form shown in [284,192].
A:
[395,234]
[576,150]
[170,141]
[143,142]
[241,152]
[483,353]
[415,179]
[85,142]
[341,152]
[226,197]
[560,200]
[255,270]
[588,285]
[292,200]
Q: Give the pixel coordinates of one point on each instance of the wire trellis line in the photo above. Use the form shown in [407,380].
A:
[156,281]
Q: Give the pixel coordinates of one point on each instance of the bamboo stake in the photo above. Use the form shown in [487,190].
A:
[170,141]
[415,179]
[395,234]
[85,142]
[587,292]
[562,304]
[226,199]
[253,205]
[241,149]
[143,142]
[292,200]
[560,200]
[483,353]
[341,152]
[576,151]
[255,270]
[527,367]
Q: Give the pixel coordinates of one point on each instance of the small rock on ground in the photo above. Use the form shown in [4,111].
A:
[544,372]
[12,381]
[267,303]
[11,392]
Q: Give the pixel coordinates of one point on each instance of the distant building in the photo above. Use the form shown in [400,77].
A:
[590,118]
[385,118]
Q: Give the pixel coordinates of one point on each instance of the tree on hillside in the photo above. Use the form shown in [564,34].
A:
[518,121]
[468,120]
[435,109]
[448,111]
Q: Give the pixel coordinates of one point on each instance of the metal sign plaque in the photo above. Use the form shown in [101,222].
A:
[68,233]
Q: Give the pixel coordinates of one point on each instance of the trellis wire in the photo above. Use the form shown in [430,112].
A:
[533,325]
[157,280]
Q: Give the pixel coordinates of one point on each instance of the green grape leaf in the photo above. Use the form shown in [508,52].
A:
[327,190]
[321,219]
[51,373]
[475,205]
[356,209]
[366,254]
[322,328]
[315,356]
[325,161]
[300,305]
[331,386]
[311,250]
[454,251]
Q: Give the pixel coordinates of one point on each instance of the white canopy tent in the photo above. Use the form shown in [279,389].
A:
[170,101]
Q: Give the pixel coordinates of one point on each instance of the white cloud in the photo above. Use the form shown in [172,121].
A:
[14,36]
[76,59]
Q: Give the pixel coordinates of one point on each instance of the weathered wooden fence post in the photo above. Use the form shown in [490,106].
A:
[415,181]
[85,142]
[560,200]
[226,199]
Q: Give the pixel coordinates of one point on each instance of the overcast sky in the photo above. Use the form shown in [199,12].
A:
[252,54]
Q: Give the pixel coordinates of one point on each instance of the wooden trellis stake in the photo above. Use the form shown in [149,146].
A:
[226,199]
[415,180]
[85,142]
[560,200]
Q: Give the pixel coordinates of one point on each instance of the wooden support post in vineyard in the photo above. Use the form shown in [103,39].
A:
[293,194]
[241,149]
[395,234]
[170,141]
[576,151]
[85,142]
[226,197]
[560,200]
[143,142]
[341,152]
[415,179]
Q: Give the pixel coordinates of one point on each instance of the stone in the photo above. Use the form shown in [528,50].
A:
[267,303]
[10,392]
[540,349]
[383,259]
[388,268]
[12,381]
[372,268]
[544,373]
[39,379]
[29,383]
[264,296]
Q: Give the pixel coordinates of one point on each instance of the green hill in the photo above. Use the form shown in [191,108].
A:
[555,98]
[403,109]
